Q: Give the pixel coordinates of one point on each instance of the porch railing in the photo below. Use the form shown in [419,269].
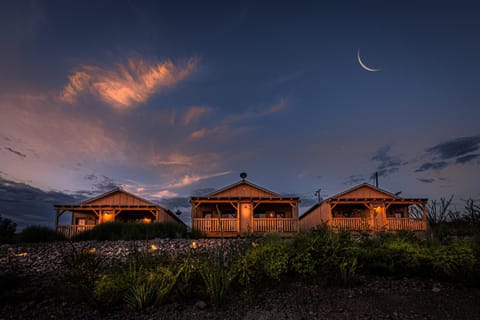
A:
[356,224]
[275,225]
[405,224]
[72,230]
[213,224]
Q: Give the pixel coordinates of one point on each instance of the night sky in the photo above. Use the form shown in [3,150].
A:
[172,99]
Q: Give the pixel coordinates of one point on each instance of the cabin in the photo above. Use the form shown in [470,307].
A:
[366,208]
[115,205]
[242,209]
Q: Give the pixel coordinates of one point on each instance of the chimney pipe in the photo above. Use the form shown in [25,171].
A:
[376,179]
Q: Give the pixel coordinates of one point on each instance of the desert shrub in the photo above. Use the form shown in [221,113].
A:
[133,231]
[81,270]
[217,270]
[141,281]
[325,257]
[39,234]
[395,254]
[264,261]
[7,230]
[454,261]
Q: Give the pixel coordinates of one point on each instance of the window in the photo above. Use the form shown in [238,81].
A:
[81,222]
[229,215]
[207,214]
[280,214]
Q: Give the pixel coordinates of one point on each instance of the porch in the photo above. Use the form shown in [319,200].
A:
[231,226]
[72,230]
[365,224]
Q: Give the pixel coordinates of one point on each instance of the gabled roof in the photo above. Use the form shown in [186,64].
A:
[120,190]
[341,194]
[148,204]
[240,183]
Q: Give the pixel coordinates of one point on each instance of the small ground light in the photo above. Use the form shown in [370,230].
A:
[21,254]
[193,245]
[153,247]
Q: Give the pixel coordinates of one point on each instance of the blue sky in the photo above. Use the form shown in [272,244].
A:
[166,99]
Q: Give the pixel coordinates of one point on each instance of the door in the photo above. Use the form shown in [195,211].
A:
[246,219]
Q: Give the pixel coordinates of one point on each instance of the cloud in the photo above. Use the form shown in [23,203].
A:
[194,113]
[281,105]
[467,158]
[127,86]
[354,179]
[27,205]
[456,147]
[228,127]
[388,164]
[426,180]
[190,179]
[165,194]
[18,153]
[432,166]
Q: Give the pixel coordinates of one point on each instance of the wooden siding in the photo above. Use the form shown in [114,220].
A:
[118,198]
[364,192]
[244,190]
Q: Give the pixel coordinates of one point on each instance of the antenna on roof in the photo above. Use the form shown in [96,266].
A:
[319,197]
[376,179]
[243,175]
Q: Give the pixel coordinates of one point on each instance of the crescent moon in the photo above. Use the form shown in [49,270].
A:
[363,65]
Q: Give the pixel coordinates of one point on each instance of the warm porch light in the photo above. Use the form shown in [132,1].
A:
[147,220]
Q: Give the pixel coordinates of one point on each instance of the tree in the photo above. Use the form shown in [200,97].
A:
[438,211]
[7,230]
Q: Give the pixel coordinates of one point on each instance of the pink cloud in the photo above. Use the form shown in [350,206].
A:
[128,85]
[194,113]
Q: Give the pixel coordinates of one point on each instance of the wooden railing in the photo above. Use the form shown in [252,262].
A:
[356,224]
[364,224]
[405,224]
[275,225]
[72,230]
[215,225]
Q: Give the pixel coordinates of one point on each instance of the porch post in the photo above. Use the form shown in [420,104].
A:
[424,217]
[57,216]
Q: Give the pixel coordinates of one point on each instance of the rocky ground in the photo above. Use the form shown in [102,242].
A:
[376,298]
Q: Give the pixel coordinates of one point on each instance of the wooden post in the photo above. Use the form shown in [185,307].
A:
[57,216]
[424,217]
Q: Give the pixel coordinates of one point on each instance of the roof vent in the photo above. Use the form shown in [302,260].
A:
[243,175]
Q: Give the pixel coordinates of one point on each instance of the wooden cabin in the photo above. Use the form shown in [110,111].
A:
[243,209]
[366,208]
[115,205]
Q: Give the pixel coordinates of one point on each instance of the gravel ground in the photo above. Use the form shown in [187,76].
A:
[376,298]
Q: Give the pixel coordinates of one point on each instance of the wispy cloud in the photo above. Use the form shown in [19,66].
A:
[455,147]
[190,179]
[432,166]
[228,125]
[194,113]
[253,114]
[18,153]
[426,180]
[467,158]
[354,179]
[128,85]
[388,164]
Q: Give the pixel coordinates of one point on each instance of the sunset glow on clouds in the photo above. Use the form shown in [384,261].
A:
[127,85]
[141,99]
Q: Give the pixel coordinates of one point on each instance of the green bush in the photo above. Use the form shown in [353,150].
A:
[324,257]
[264,261]
[39,234]
[133,231]
[81,270]
[395,254]
[454,261]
